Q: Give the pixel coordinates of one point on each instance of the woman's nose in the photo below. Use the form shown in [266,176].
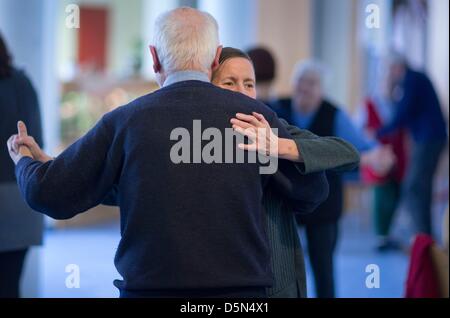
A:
[241,88]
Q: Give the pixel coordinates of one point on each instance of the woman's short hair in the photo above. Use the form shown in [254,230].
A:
[5,59]
[231,52]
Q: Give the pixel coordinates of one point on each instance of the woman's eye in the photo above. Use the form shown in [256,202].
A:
[228,84]
[250,85]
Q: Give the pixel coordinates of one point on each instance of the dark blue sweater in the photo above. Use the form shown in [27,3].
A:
[418,110]
[183,226]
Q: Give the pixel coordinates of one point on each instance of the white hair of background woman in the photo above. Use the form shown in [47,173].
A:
[186,39]
[310,67]
[396,58]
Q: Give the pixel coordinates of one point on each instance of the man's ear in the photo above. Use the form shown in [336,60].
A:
[156,63]
[215,63]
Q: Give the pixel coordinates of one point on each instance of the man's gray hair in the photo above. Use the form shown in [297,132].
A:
[305,67]
[186,39]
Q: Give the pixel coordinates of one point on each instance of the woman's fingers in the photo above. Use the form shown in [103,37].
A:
[15,145]
[261,118]
[27,141]
[246,121]
[249,132]
[257,129]
[10,144]
[250,119]
[31,146]
[248,147]
[27,145]
[240,123]
[22,129]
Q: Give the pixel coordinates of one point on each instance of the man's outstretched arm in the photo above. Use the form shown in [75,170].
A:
[73,182]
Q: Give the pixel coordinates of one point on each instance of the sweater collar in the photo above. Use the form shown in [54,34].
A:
[185,76]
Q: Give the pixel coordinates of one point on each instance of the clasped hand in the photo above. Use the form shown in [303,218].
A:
[22,145]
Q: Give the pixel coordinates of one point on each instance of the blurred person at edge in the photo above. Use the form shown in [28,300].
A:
[236,73]
[419,112]
[377,110]
[20,227]
[265,73]
[309,109]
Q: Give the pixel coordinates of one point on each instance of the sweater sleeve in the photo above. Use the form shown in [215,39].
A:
[304,192]
[76,180]
[322,153]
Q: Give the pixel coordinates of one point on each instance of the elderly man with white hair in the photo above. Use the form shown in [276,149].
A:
[189,228]
[309,109]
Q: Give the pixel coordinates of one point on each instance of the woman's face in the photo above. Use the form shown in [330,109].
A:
[236,74]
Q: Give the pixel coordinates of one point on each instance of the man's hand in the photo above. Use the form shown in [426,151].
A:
[17,152]
[28,141]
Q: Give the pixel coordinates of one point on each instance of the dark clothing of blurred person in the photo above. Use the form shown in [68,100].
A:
[20,227]
[265,72]
[419,111]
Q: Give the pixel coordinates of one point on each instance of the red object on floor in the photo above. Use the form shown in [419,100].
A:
[422,279]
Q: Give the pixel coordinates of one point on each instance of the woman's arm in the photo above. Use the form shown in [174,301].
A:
[321,153]
[313,153]
[305,192]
